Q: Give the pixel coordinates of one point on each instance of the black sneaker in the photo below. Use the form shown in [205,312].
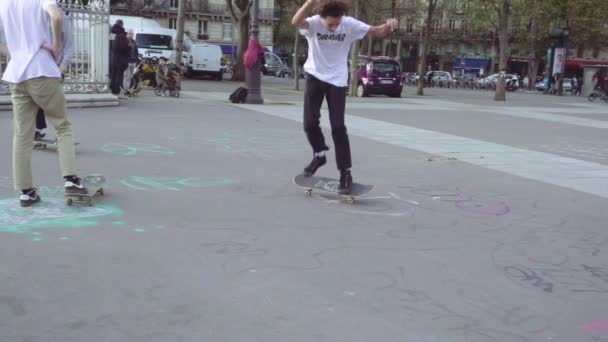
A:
[74,186]
[314,165]
[346,181]
[29,198]
[39,135]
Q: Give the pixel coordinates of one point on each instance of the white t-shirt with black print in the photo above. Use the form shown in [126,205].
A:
[328,50]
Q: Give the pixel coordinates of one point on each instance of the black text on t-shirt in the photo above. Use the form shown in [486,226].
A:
[337,37]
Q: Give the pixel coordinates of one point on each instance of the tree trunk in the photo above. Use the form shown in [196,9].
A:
[354,59]
[532,61]
[181,11]
[296,61]
[425,36]
[421,68]
[503,38]
[239,67]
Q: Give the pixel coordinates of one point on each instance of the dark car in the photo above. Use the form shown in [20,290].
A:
[379,76]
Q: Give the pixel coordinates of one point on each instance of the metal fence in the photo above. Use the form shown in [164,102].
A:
[89,69]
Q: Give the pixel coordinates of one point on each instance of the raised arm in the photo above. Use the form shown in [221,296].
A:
[385,29]
[299,19]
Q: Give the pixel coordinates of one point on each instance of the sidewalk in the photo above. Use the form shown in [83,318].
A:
[73,101]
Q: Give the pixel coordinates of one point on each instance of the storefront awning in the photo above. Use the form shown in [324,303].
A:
[581,63]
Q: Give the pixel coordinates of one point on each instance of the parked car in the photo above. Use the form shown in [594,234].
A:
[380,76]
[272,65]
[440,78]
[206,60]
[566,85]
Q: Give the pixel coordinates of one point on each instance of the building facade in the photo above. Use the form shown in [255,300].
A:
[206,21]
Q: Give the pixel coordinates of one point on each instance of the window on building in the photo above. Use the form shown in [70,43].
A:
[202,27]
[173,23]
[464,27]
[452,24]
[147,2]
[174,3]
[227,31]
[410,27]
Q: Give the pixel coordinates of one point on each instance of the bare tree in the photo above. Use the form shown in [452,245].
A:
[425,38]
[354,59]
[502,9]
[243,20]
[181,11]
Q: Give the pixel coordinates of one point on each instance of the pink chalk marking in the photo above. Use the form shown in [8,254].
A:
[595,327]
[497,210]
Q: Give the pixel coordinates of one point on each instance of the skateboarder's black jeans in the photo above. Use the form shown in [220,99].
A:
[40,120]
[314,93]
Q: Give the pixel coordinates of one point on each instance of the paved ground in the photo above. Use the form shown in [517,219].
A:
[488,223]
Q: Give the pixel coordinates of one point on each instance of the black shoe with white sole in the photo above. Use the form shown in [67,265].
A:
[73,186]
[29,197]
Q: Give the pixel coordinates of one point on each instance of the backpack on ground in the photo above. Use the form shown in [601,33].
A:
[239,95]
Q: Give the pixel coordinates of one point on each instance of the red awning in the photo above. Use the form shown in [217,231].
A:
[581,63]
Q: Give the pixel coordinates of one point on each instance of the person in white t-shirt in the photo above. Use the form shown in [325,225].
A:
[35,81]
[330,35]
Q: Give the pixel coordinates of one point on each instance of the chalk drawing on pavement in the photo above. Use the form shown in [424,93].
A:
[173,183]
[267,144]
[132,149]
[51,213]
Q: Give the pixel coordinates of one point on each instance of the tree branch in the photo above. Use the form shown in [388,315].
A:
[231,11]
[247,10]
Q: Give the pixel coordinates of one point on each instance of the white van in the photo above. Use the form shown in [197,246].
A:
[155,42]
[134,23]
[205,59]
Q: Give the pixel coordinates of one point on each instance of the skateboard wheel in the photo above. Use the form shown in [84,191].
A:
[69,202]
[308,192]
[350,200]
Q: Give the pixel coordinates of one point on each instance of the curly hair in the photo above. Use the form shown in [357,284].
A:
[332,8]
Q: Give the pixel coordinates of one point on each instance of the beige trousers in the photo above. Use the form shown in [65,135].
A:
[27,98]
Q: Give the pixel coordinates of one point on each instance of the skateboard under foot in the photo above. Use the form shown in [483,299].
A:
[330,186]
[94,185]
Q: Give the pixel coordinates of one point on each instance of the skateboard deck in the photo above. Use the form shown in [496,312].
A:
[43,144]
[330,186]
[94,184]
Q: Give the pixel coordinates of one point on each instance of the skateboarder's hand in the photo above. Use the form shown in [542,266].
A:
[54,50]
[63,68]
[391,25]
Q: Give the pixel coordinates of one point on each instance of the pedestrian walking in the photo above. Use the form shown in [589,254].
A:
[119,58]
[132,61]
[64,64]
[35,81]
[330,35]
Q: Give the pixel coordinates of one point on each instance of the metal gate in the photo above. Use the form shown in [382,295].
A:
[90,28]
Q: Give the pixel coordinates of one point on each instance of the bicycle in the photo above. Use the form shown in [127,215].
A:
[598,93]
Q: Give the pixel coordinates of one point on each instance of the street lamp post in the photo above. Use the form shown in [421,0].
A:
[253,76]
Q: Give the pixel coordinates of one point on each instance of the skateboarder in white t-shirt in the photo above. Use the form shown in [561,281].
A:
[330,35]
